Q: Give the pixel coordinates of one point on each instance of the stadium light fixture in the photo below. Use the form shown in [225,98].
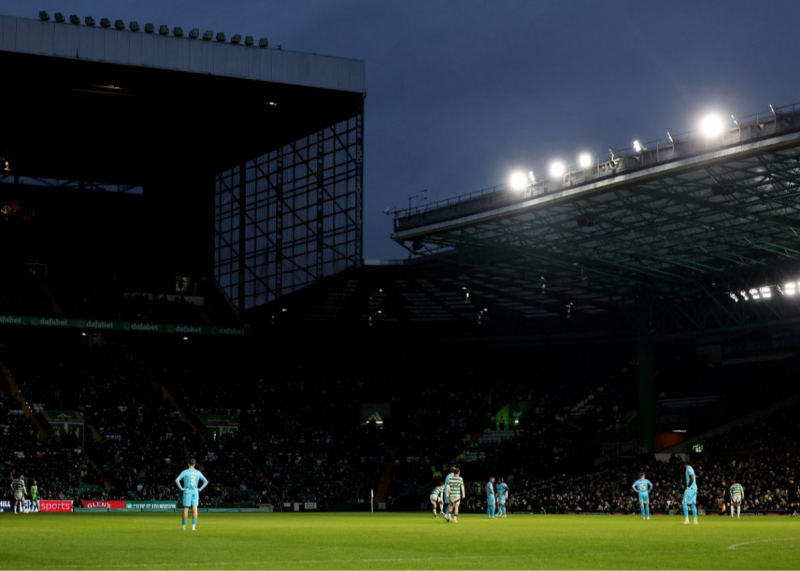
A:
[74,19]
[236,39]
[208,36]
[585,160]
[790,288]
[263,43]
[735,121]
[249,41]
[733,297]
[119,24]
[44,16]
[105,23]
[194,34]
[638,147]
[149,28]
[177,31]
[557,169]
[766,292]
[743,293]
[89,21]
[59,17]
[531,177]
[134,27]
[220,36]
[712,126]
[754,293]
[163,29]
[518,181]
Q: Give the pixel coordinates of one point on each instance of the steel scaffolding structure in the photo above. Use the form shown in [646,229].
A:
[286,219]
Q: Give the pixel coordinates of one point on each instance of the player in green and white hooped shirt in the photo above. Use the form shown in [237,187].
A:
[19,491]
[456,491]
[737,497]
[436,499]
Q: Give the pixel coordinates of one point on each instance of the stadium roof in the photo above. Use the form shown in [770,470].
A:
[121,105]
[673,223]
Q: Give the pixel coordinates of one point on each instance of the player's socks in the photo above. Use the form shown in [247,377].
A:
[694,512]
[642,508]
[647,510]
[194,521]
[686,511]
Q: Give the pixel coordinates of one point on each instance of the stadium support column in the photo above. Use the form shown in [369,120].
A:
[646,393]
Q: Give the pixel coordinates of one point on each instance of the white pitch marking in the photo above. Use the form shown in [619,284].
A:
[273,561]
[735,545]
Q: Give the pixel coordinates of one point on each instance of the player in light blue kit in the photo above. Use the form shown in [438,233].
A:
[502,492]
[690,494]
[490,503]
[644,487]
[446,497]
[187,482]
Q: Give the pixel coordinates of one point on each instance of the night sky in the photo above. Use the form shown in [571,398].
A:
[462,92]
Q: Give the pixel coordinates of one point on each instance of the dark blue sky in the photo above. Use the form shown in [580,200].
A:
[460,92]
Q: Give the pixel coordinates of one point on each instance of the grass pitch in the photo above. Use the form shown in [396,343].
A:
[394,541]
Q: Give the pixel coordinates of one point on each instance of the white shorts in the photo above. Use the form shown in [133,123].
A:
[736,499]
[18,496]
[436,499]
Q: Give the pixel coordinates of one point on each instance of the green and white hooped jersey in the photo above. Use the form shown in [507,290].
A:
[456,486]
[737,491]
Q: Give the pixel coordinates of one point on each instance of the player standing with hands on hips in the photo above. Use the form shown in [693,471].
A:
[690,494]
[187,482]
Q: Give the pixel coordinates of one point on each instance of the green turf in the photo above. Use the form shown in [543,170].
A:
[394,541]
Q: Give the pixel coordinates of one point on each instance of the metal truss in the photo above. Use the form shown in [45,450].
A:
[287,219]
[682,236]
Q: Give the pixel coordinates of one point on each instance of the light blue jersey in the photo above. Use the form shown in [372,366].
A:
[644,487]
[502,491]
[447,481]
[690,472]
[490,493]
[187,482]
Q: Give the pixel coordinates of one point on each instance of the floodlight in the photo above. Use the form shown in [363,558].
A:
[744,295]
[236,39]
[73,19]
[208,36]
[518,181]
[585,160]
[149,28]
[119,24]
[531,177]
[733,297]
[177,32]
[790,288]
[638,147]
[105,22]
[220,36]
[754,293]
[163,29]
[557,169]
[89,21]
[59,17]
[134,27]
[263,42]
[194,34]
[712,126]
[44,16]
[248,41]
[766,293]
[735,121]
